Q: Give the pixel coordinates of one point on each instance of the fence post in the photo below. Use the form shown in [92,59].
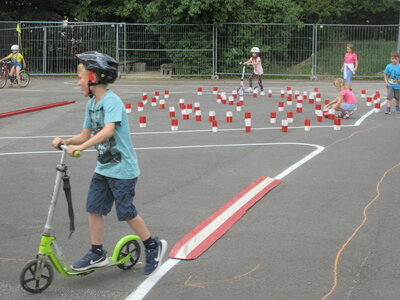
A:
[44,49]
[315,49]
[398,36]
[125,48]
[215,51]
[117,42]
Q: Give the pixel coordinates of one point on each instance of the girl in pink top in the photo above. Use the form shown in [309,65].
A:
[346,102]
[255,61]
[350,64]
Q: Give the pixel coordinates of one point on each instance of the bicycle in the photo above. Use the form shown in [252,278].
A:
[5,67]
[37,275]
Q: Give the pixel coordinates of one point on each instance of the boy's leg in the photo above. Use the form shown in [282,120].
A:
[10,75]
[397,97]
[390,96]
[99,203]
[260,82]
[124,191]
[17,71]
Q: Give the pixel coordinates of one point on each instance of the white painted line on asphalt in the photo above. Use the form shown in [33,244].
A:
[356,124]
[145,287]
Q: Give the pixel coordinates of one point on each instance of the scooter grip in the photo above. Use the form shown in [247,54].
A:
[77,153]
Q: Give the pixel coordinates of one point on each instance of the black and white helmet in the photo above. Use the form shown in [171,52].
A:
[103,65]
[255,50]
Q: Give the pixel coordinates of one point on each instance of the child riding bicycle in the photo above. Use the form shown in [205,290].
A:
[17,61]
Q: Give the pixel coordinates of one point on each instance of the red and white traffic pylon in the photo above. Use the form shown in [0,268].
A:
[142,122]
[369,101]
[289,90]
[223,96]
[247,121]
[166,94]
[316,90]
[172,112]
[140,106]
[272,117]
[128,108]
[307,125]
[198,115]
[241,100]
[200,91]
[311,98]
[296,94]
[284,126]
[255,94]
[162,104]
[289,117]
[174,124]
[336,124]
[214,126]
[154,101]
[289,100]
[234,94]
[299,107]
[229,117]
[281,106]
[304,95]
[318,107]
[269,93]
[239,106]
[196,106]
[319,115]
[157,95]
[211,116]
[181,103]
[331,113]
[282,94]
[189,107]
[215,90]
[144,98]
[185,114]
[363,93]
[231,100]
[377,107]
[219,99]
[377,99]
[318,97]
[378,94]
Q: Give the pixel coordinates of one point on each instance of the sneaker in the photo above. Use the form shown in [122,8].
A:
[90,260]
[255,91]
[340,115]
[249,90]
[397,109]
[154,256]
[388,112]
[262,93]
[347,114]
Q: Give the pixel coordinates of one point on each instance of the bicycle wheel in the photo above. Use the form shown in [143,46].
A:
[3,79]
[132,248]
[25,78]
[28,281]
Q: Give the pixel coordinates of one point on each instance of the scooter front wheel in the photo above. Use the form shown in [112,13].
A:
[133,248]
[28,279]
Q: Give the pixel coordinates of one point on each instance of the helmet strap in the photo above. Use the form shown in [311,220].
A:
[91,83]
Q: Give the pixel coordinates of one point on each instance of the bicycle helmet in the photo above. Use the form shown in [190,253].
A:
[255,50]
[15,47]
[103,65]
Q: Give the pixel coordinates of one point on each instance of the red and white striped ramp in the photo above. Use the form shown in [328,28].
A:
[211,229]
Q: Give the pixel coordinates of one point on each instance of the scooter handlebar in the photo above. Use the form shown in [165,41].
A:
[63,147]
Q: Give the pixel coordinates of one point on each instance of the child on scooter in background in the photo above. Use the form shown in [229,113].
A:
[106,127]
[255,61]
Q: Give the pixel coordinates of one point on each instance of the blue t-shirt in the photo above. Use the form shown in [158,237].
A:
[116,155]
[393,73]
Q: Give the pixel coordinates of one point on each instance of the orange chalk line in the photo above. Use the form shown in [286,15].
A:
[14,259]
[340,252]
[351,135]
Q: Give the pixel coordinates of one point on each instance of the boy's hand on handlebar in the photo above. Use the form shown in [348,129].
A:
[56,142]
[72,148]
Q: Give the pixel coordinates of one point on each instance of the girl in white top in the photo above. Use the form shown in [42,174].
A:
[255,61]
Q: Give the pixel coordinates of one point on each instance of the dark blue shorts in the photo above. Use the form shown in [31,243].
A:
[104,191]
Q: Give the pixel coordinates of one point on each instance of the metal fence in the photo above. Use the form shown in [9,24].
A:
[309,50]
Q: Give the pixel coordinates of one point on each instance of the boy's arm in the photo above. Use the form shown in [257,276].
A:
[23,62]
[75,140]
[385,77]
[101,136]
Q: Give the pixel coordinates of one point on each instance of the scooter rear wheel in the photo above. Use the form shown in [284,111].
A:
[132,248]
[27,277]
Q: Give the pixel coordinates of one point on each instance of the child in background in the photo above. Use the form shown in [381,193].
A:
[17,61]
[350,64]
[255,61]
[346,102]
[106,127]
[392,82]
